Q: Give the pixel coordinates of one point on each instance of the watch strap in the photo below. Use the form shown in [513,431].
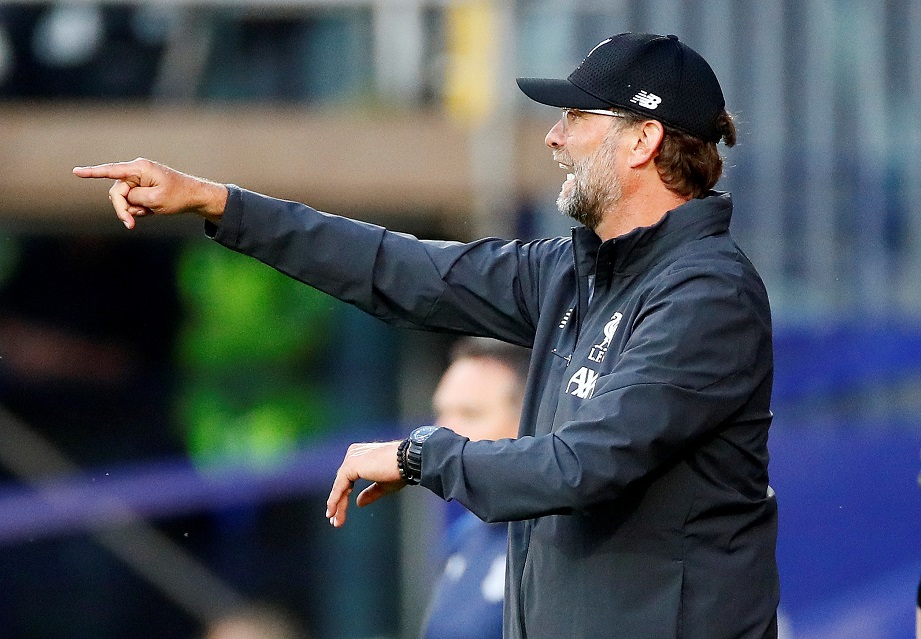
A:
[413,461]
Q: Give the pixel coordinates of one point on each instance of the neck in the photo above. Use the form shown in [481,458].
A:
[643,207]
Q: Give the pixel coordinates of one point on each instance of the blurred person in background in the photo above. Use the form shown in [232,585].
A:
[256,622]
[637,491]
[479,396]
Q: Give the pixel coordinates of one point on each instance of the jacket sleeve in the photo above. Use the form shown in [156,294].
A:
[489,288]
[698,352]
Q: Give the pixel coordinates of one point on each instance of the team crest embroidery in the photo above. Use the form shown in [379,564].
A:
[600,350]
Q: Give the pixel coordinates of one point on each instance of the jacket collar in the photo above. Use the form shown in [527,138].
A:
[640,248]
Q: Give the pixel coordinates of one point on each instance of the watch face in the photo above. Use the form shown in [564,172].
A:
[422,433]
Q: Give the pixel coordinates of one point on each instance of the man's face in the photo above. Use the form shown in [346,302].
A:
[587,145]
[478,398]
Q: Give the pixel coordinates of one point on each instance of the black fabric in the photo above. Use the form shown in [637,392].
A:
[656,76]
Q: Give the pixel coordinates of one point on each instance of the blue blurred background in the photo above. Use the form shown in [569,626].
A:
[171,414]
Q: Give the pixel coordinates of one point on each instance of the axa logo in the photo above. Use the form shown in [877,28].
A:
[647,100]
[600,350]
[582,384]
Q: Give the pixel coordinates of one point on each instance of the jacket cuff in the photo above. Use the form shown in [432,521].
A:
[227,232]
[443,445]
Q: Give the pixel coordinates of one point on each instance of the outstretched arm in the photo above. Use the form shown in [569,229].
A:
[143,187]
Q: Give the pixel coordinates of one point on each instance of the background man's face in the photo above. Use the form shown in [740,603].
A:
[478,398]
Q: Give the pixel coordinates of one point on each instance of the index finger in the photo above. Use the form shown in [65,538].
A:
[112,170]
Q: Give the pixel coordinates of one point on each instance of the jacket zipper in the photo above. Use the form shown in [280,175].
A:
[579,305]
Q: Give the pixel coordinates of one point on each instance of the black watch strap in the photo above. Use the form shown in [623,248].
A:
[414,462]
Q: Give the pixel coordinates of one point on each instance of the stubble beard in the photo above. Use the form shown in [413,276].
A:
[595,189]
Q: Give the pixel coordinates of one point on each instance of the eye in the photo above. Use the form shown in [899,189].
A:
[570,116]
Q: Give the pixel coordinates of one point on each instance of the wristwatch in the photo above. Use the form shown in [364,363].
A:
[409,454]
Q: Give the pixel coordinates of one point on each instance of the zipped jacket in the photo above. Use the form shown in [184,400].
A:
[637,490]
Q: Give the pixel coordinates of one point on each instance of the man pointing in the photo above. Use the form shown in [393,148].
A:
[637,489]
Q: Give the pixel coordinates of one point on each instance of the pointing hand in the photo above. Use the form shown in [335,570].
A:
[143,187]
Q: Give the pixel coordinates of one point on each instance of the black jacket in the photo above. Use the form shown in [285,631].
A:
[638,489]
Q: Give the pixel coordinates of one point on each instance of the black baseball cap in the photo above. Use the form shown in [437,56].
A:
[656,76]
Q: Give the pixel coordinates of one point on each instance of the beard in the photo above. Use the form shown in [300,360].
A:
[595,187]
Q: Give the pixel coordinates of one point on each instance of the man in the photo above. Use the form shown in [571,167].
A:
[479,396]
[637,489]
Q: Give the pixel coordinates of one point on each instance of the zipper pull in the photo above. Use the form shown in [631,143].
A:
[568,358]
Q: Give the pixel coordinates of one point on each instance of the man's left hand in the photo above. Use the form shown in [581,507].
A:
[376,463]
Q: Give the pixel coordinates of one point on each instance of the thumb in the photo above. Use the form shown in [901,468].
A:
[370,494]
[377,490]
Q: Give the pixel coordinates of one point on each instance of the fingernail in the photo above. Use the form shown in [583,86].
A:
[332,521]
[126,224]
[327,513]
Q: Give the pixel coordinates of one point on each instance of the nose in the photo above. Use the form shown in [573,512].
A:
[554,138]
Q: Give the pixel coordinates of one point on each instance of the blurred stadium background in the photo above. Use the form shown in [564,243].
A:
[171,414]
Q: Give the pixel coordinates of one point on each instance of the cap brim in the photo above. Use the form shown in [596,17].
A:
[559,93]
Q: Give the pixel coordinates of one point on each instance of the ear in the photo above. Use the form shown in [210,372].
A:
[649,136]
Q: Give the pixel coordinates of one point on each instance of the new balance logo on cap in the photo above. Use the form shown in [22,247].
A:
[647,100]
